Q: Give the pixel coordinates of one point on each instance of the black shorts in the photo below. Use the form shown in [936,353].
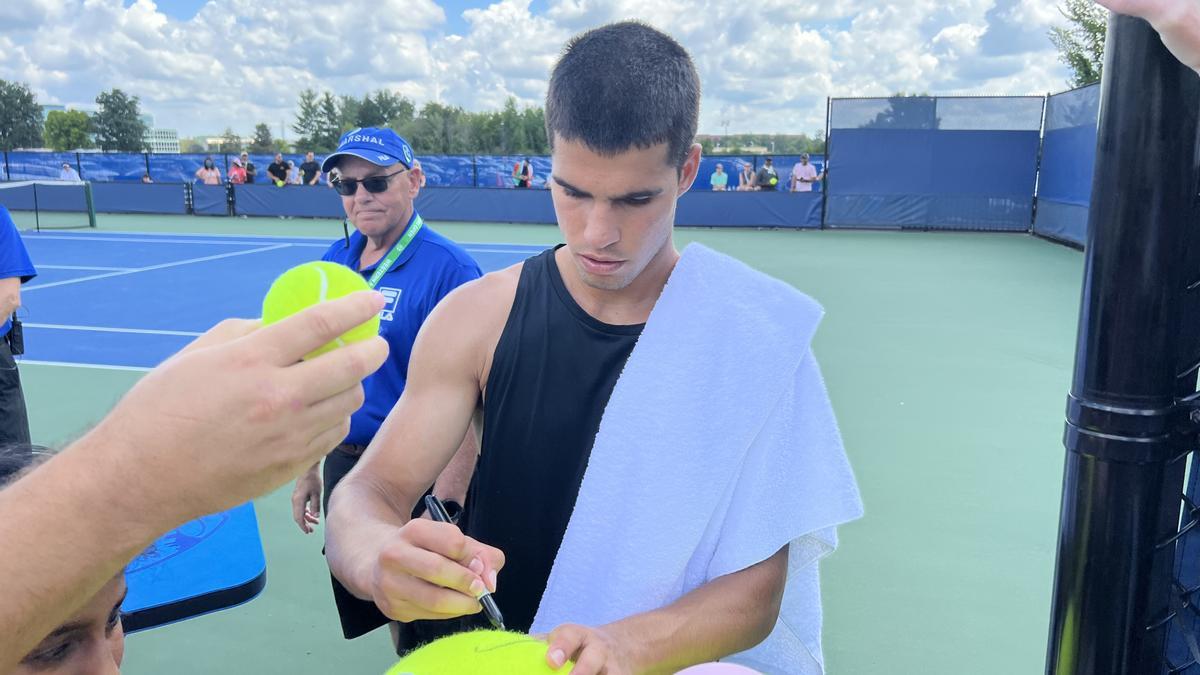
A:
[359,617]
[14,421]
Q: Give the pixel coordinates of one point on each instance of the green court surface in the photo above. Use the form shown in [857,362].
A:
[948,357]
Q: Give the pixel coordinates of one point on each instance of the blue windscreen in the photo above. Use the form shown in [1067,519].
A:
[121,167]
[1068,160]
[944,163]
[39,165]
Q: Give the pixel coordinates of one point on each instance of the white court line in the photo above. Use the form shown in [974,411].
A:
[88,268]
[65,364]
[165,240]
[308,242]
[177,263]
[106,329]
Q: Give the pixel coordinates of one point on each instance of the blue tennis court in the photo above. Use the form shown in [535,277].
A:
[124,300]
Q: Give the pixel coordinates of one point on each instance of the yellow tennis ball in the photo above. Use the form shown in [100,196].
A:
[278,183]
[306,285]
[480,652]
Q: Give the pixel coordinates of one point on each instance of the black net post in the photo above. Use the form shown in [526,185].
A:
[1128,425]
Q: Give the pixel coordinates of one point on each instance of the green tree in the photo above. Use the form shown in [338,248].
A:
[69,130]
[308,117]
[369,114]
[1081,44]
[534,120]
[20,117]
[329,125]
[395,109]
[439,129]
[263,142]
[347,110]
[280,145]
[230,142]
[118,124]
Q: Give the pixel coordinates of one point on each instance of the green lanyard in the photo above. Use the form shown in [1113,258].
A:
[394,254]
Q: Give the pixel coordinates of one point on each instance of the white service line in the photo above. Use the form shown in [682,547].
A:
[166,240]
[163,266]
[106,329]
[88,268]
[96,366]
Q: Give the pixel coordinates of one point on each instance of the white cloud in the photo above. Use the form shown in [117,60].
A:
[765,66]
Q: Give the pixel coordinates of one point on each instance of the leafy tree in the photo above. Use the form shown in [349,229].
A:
[348,108]
[395,109]
[263,142]
[230,142]
[1081,44]
[20,117]
[907,111]
[118,124]
[308,117]
[69,130]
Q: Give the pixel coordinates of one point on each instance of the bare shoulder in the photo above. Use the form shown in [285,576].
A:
[467,323]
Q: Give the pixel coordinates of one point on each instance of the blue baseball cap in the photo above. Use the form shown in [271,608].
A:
[379,146]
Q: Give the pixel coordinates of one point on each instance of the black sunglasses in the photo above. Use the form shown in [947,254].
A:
[346,187]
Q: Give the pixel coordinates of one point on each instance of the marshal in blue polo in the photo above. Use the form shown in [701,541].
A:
[414,267]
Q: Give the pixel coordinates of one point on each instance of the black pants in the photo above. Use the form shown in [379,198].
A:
[14,421]
[359,617]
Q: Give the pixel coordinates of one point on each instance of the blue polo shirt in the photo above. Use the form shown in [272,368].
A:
[429,268]
[14,259]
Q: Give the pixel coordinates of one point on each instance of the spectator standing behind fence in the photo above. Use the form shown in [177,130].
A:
[15,269]
[208,174]
[804,175]
[767,178]
[719,180]
[293,175]
[310,171]
[68,173]
[251,170]
[745,178]
[237,172]
[525,178]
[277,172]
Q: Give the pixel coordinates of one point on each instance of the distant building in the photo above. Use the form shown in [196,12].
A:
[213,143]
[162,141]
[48,108]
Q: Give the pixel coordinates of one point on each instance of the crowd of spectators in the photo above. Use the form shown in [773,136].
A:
[801,179]
[280,172]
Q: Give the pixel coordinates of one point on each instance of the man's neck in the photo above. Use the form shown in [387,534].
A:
[627,306]
[377,246]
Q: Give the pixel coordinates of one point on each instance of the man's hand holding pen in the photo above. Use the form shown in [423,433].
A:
[431,570]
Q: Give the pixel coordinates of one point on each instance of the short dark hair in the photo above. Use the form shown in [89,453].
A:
[621,86]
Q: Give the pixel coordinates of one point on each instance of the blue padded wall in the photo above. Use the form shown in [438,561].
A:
[953,163]
[1068,160]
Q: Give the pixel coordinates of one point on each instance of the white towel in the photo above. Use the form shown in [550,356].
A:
[717,448]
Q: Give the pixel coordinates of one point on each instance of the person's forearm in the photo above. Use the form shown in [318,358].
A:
[10,296]
[57,554]
[728,615]
[361,517]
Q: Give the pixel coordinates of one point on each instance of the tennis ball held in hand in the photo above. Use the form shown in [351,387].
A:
[480,652]
[306,285]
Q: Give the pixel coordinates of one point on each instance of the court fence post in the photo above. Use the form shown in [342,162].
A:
[1129,429]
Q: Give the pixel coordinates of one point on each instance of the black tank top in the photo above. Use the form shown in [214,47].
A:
[553,371]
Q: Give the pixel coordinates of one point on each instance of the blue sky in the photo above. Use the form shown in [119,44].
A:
[203,65]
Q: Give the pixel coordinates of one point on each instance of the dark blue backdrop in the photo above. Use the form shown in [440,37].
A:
[938,163]
[1068,158]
